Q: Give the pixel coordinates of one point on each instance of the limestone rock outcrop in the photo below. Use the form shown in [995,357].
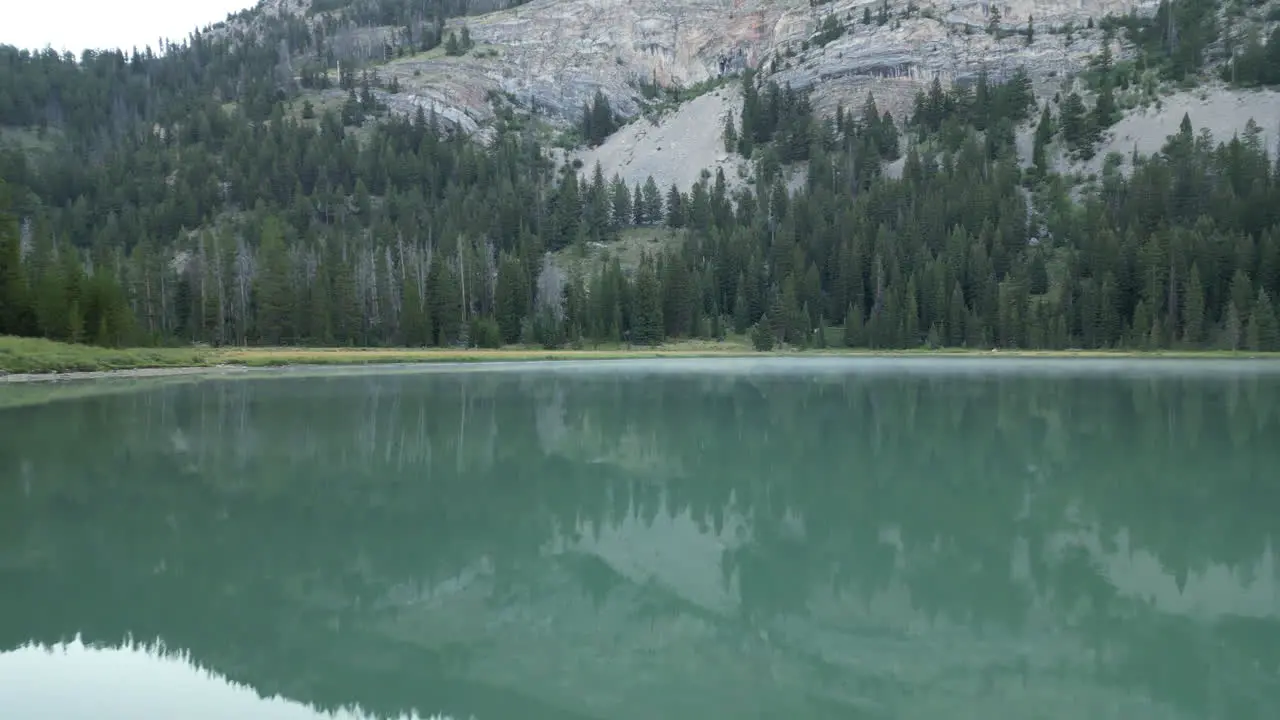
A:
[553,55]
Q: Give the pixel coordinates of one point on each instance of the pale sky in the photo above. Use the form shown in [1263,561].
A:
[78,24]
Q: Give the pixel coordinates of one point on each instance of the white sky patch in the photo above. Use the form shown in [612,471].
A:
[73,25]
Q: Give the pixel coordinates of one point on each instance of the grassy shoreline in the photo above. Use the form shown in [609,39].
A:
[28,359]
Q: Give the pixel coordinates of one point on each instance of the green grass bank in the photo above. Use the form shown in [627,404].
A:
[28,356]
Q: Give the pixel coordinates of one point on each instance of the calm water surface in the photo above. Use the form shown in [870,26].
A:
[702,539]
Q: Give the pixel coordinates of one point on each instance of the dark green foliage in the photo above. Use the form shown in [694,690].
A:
[854,331]
[979,106]
[459,44]
[646,308]
[274,298]
[1263,332]
[598,121]
[1078,125]
[1105,113]
[741,310]
[675,207]
[1175,38]
[485,333]
[1254,63]
[549,328]
[651,200]
[830,29]
[762,334]
[620,200]
[1043,137]
[775,114]
[871,259]
[14,299]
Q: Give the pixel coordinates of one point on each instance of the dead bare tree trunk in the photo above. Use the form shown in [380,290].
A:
[392,299]
[204,288]
[244,286]
[146,293]
[462,274]
[164,299]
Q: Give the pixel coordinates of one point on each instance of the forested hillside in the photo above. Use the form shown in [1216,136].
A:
[195,196]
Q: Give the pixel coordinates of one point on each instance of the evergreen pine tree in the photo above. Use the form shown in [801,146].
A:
[957,313]
[75,323]
[13,282]
[415,317]
[646,313]
[1073,121]
[1104,109]
[1193,308]
[1232,328]
[762,334]
[621,200]
[854,332]
[1043,136]
[347,323]
[271,287]
[319,315]
[741,310]
[675,208]
[51,299]
[653,212]
[512,298]
[639,209]
[1266,329]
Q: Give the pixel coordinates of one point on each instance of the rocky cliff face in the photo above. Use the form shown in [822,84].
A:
[552,55]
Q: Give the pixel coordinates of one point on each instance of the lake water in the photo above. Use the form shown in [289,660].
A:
[673,539]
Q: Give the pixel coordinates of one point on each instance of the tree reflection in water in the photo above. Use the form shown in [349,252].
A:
[619,544]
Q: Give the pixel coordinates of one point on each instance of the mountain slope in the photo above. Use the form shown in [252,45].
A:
[288,177]
[555,54]
[548,58]
[675,148]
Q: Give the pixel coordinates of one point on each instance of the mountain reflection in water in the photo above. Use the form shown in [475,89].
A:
[740,541]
